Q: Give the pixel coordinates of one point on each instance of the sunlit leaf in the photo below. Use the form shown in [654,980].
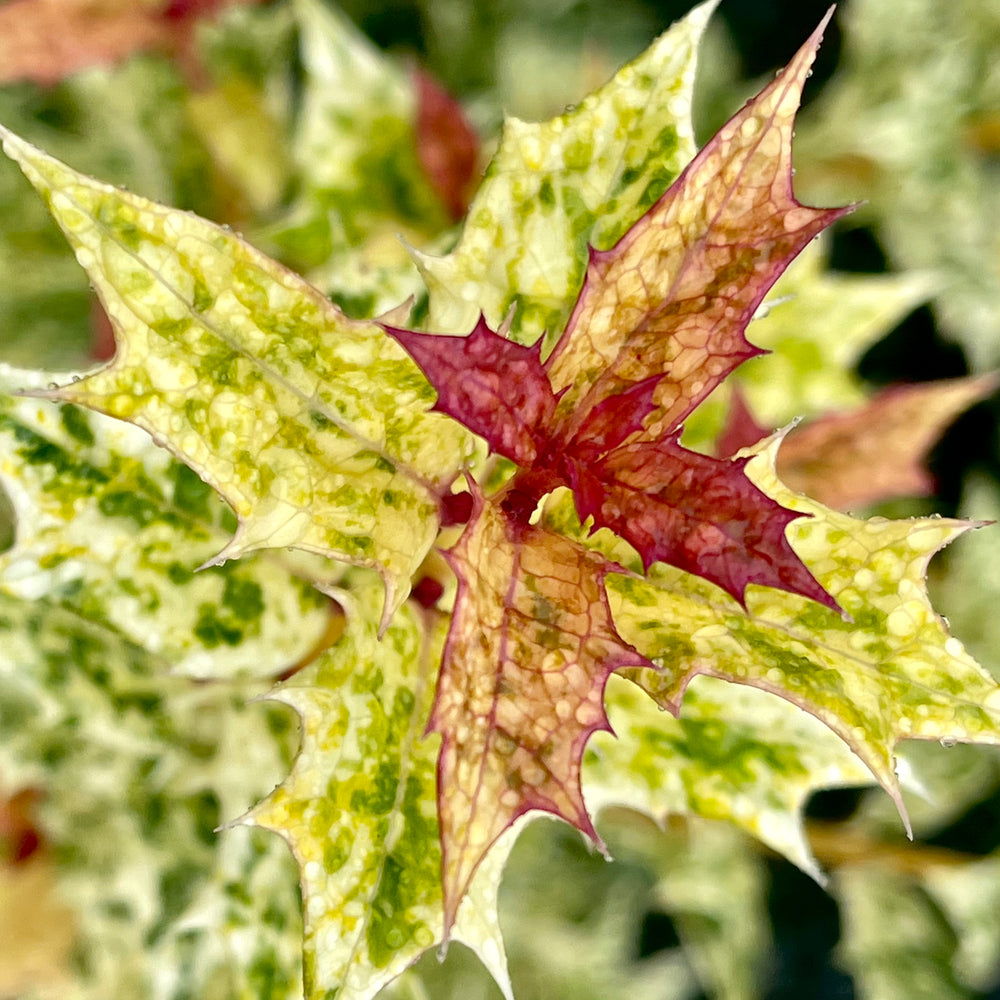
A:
[314,428]
[359,810]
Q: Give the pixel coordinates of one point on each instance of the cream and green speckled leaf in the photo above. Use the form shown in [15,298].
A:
[314,428]
[363,188]
[891,672]
[113,527]
[360,810]
[136,770]
[554,188]
[816,324]
[734,753]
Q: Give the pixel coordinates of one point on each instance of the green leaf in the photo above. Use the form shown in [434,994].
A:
[314,428]
[112,527]
[359,809]
[553,189]
[137,769]
[891,673]
[733,753]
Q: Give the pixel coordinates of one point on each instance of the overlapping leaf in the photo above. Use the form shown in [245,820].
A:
[909,124]
[891,673]
[312,427]
[359,810]
[521,690]
[658,325]
[110,525]
[553,188]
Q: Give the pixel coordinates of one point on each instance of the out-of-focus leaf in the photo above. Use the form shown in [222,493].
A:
[897,127]
[447,145]
[896,942]
[112,527]
[359,809]
[877,451]
[714,890]
[313,427]
[364,189]
[139,769]
[47,40]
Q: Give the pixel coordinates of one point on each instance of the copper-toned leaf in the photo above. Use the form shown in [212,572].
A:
[675,294]
[521,689]
[877,451]
[46,40]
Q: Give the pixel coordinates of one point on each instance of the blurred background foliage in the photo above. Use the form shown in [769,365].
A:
[902,115]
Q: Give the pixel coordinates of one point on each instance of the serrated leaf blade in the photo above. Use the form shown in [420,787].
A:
[314,428]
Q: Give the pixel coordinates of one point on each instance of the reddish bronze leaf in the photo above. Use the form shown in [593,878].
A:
[700,514]
[521,689]
[878,451]
[674,296]
[497,388]
[447,145]
[741,429]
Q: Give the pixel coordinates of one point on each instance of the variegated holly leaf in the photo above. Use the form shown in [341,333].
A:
[136,770]
[114,528]
[554,188]
[359,809]
[674,295]
[733,753]
[891,672]
[657,326]
[314,428]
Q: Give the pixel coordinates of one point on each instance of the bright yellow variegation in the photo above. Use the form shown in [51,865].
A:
[554,188]
[359,809]
[313,427]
